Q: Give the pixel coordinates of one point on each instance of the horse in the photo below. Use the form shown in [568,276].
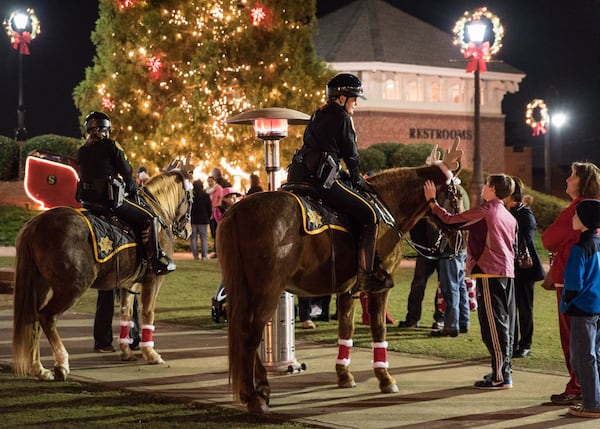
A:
[263,252]
[55,264]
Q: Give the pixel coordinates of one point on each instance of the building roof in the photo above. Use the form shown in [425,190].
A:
[375,31]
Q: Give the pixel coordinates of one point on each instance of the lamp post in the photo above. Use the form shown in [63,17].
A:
[543,126]
[22,28]
[277,348]
[475,45]
[271,125]
[555,121]
[476,33]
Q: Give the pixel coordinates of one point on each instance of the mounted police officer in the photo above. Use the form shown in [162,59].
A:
[107,186]
[330,138]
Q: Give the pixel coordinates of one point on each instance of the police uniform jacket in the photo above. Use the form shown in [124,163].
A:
[98,160]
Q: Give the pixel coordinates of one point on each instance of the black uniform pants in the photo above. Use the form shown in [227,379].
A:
[341,197]
[524,327]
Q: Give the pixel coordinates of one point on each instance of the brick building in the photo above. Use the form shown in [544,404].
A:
[416,85]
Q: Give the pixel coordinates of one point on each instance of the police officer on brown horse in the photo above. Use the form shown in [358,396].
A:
[107,186]
[330,138]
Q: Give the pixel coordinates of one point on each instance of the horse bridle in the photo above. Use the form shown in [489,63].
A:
[424,251]
[178,225]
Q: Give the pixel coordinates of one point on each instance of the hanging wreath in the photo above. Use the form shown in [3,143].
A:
[539,127]
[20,41]
[478,54]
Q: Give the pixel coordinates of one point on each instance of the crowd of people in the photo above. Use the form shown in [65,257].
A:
[493,244]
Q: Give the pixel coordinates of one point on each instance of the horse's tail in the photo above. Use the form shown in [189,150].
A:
[25,324]
[235,284]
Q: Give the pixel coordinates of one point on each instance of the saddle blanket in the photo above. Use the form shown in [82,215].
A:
[109,236]
[319,218]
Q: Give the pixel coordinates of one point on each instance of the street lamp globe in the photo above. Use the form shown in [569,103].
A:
[476,31]
[559,119]
[20,22]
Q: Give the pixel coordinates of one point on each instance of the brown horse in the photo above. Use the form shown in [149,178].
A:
[263,251]
[55,265]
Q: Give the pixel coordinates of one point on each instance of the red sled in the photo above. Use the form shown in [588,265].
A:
[51,180]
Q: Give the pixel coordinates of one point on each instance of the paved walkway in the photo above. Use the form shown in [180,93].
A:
[433,393]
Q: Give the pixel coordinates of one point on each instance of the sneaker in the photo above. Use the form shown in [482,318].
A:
[105,349]
[488,384]
[566,399]
[579,411]
[308,324]
[437,326]
[407,324]
[521,353]
[463,329]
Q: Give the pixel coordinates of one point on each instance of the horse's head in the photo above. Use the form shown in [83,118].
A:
[170,195]
[402,188]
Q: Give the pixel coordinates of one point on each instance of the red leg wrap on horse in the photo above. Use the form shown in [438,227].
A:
[380,355]
[126,325]
[344,347]
[147,336]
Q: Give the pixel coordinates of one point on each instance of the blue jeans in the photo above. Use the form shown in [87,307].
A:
[451,275]
[202,231]
[585,357]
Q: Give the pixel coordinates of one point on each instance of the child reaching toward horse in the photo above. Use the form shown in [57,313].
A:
[490,260]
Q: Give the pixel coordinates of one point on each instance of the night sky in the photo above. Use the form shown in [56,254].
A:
[556,44]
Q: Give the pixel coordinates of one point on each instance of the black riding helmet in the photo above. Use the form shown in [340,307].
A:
[345,84]
[97,124]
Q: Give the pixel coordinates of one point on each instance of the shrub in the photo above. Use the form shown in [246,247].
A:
[545,207]
[58,145]
[9,158]
[372,160]
[410,155]
[388,150]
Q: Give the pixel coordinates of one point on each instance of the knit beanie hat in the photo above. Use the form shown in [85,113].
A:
[589,213]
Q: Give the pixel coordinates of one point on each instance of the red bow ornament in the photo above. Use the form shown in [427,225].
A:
[477,56]
[539,129]
[22,42]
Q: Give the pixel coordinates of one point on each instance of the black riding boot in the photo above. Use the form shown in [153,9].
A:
[159,261]
[371,279]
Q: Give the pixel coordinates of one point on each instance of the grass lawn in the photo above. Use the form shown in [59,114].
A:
[185,298]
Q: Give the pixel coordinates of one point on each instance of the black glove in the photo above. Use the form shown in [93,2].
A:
[359,182]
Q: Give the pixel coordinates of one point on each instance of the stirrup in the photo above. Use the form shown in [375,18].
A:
[161,268]
[377,281]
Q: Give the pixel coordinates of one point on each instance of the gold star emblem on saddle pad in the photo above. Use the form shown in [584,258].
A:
[105,244]
[314,218]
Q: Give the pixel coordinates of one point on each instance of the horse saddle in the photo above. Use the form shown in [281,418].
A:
[317,217]
[110,235]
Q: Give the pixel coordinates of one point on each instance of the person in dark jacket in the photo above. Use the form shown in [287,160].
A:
[525,278]
[200,219]
[330,138]
[581,300]
[103,170]
[255,185]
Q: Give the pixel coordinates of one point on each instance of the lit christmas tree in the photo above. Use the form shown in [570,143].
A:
[170,73]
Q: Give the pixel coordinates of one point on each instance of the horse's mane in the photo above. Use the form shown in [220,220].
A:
[161,188]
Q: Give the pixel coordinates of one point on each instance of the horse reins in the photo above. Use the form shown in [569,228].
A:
[389,220]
